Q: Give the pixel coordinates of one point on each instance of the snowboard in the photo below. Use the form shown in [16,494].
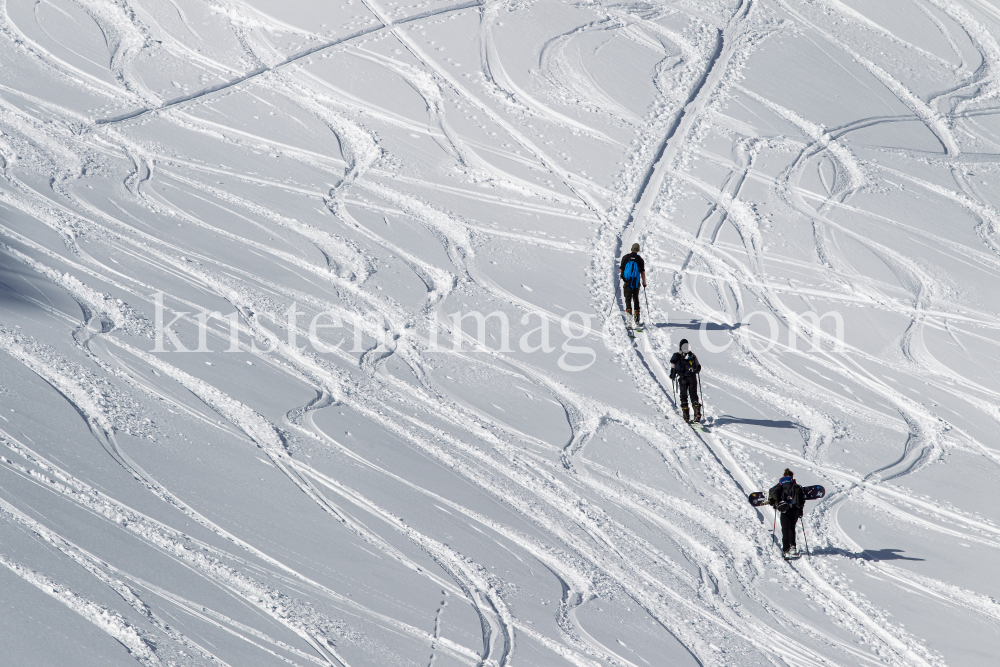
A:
[758,498]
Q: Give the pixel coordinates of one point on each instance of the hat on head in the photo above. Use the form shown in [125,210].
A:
[635,247]
[684,341]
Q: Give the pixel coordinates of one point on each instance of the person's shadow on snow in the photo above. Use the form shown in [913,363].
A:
[867,554]
[771,423]
[697,324]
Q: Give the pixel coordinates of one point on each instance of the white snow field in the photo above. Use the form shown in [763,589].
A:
[317,200]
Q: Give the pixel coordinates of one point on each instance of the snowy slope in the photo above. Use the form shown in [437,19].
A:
[317,200]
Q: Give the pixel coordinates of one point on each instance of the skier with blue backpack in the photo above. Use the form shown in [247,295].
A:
[632,271]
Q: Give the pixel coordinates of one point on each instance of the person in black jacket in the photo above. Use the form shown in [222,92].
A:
[684,368]
[631,275]
[789,499]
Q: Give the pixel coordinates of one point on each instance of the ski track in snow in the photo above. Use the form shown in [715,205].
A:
[237,159]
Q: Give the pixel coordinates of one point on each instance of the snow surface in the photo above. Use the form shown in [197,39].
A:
[398,500]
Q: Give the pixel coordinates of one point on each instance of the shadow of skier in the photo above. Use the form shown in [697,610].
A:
[770,423]
[874,555]
[696,324]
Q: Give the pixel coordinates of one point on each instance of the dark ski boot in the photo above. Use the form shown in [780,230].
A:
[687,415]
[697,412]
[637,317]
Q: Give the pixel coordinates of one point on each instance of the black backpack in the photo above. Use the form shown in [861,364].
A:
[686,364]
[784,497]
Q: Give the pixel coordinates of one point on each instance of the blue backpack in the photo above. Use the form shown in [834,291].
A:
[631,274]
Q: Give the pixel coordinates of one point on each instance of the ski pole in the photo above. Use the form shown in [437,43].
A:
[700,390]
[647,300]
[804,538]
[615,304]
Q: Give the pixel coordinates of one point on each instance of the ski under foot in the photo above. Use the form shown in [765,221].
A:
[698,426]
[630,328]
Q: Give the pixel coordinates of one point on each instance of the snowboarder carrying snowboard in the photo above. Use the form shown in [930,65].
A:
[684,368]
[788,498]
[632,270]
